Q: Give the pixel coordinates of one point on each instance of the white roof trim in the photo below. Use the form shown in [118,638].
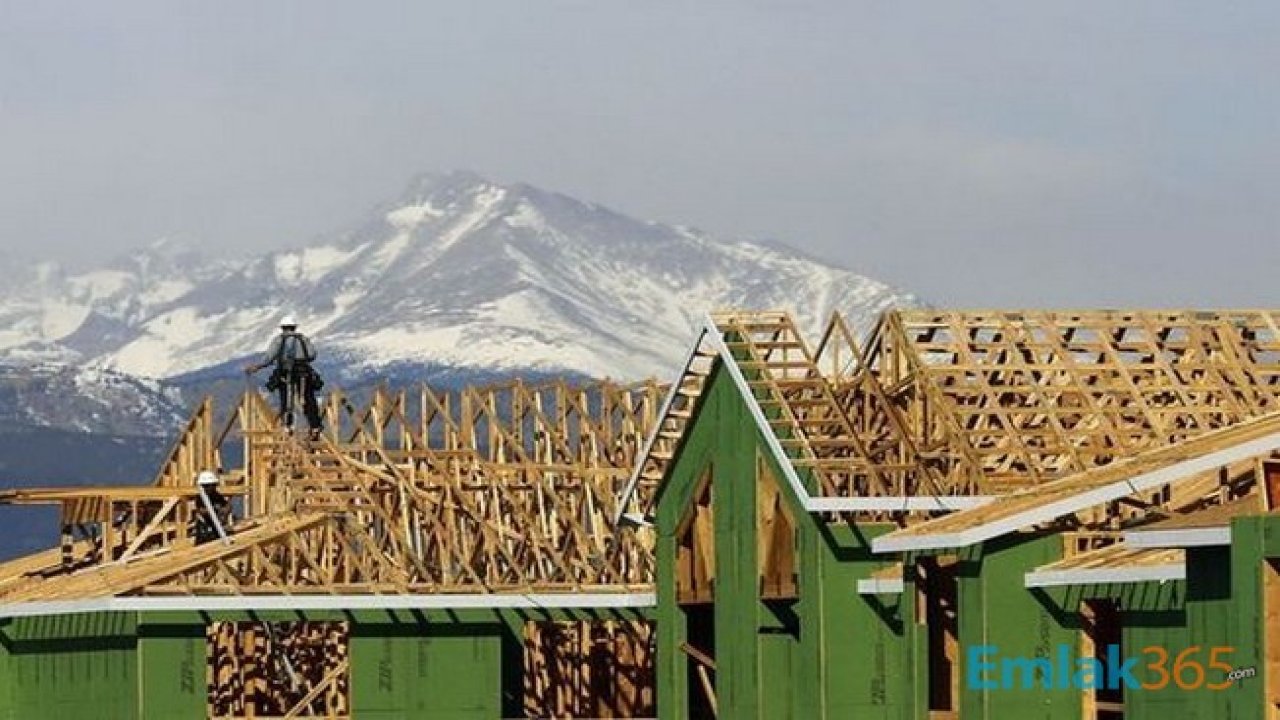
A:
[1179,537]
[649,442]
[1098,576]
[442,601]
[637,519]
[890,503]
[1112,491]
[880,586]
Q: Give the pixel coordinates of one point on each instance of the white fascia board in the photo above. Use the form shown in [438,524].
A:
[1112,491]
[637,519]
[880,586]
[897,503]
[762,423]
[649,442]
[939,541]
[442,601]
[1180,537]
[1101,576]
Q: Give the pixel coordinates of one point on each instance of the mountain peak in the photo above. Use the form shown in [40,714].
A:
[458,272]
[426,185]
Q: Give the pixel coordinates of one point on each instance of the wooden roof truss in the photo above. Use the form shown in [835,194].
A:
[502,489]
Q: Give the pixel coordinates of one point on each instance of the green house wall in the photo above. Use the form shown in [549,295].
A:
[996,611]
[1218,605]
[804,658]
[404,664]
[69,667]
[1225,609]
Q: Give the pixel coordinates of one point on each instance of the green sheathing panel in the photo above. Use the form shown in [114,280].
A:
[1225,609]
[172,661]
[411,669]
[864,649]
[404,663]
[1151,614]
[723,439]
[6,670]
[1206,612]
[831,652]
[71,666]
[996,610]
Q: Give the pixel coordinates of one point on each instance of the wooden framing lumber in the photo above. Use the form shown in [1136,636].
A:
[1207,526]
[424,599]
[286,670]
[888,581]
[500,489]
[1141,473]
[942,411]
[1113,564]
[599,669]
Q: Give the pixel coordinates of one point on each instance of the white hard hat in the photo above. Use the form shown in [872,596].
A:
[288,321]
[207,477]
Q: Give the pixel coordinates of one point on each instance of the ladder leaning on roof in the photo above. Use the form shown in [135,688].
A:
[674,416]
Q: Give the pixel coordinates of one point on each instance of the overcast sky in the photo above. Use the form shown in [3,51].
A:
[977,153]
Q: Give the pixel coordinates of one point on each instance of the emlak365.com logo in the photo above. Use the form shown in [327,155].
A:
[1156,668]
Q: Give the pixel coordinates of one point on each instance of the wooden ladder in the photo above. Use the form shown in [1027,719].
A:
[675,415]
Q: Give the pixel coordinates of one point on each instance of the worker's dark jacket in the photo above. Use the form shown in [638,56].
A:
[291,353]
[288,349]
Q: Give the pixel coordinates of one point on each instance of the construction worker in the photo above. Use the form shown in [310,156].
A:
[206,527]
[292,353]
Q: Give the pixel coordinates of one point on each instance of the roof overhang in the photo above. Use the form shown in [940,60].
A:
[1179,537]
[880,586]
[1106,575]
[898,503]
[983,529]
[442,601]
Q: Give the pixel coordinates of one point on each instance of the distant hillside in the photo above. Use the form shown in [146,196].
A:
[42,457]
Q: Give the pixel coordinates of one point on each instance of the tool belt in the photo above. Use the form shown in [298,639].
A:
[280,377]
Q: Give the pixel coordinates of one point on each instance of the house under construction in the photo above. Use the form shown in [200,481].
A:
[434,555]
[949,515]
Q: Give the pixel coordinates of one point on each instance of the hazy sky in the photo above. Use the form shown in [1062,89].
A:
[978,153]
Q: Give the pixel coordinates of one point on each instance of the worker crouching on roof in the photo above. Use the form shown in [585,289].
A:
[213,515]
[292,353]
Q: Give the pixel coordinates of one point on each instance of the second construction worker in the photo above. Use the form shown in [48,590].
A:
[293,378]
[214,517]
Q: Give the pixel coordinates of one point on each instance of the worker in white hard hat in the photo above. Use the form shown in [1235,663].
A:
[206,528]
[292,354]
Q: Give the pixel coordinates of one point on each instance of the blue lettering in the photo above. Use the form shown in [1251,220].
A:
[1118,671]
[1062,673]
[977,666]
[1028,666]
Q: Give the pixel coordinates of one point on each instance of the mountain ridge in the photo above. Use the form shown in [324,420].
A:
[457,271]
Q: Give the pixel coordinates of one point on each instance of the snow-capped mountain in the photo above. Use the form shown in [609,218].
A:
[86,400]
[459,272]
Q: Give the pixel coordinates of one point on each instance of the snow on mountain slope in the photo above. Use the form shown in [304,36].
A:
[86,400]
[459,271]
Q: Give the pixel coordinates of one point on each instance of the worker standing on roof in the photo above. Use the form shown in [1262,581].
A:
[294,378]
